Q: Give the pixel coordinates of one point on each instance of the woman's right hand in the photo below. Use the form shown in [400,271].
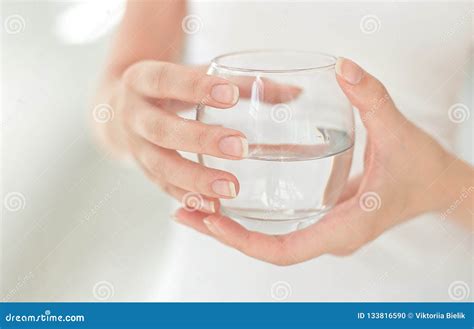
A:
[145,101]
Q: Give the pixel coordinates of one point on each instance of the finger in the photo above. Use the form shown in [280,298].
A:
[351,189]
[377,109]
[191,201]
[269,91]
[173,105]
[269,248]
[342,231]
[162,81]
[272,92]
[192,220]
[257,245]
[170,167]
[173,132]
[171,81]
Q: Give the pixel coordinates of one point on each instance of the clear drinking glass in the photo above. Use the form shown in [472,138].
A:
[300,129]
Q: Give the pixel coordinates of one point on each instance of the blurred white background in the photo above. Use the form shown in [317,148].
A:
[81,218]
[73,218]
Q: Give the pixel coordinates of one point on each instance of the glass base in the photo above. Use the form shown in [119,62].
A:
[274,222]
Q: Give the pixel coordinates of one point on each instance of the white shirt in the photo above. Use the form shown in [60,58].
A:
[420,51]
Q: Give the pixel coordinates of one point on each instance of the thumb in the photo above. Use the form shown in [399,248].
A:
[369,96]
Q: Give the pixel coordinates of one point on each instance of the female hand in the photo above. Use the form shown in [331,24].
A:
[145,100]
[406,173]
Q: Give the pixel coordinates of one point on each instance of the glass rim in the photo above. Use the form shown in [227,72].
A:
[216,61]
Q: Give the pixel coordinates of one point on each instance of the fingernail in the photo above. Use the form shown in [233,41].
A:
[211,226]
[350,71]
[225,93]
[209,206]
[224,188]
[235,146]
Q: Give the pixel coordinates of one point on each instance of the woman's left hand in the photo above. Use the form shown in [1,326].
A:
[402,165]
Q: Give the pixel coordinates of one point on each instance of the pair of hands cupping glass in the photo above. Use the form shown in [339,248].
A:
[401,162]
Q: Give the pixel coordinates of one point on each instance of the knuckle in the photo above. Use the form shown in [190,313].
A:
[203,177]
[202,140]
[126,115]
[166,188]
[159,76]
[127,75]
[132,74]
[196,177]
[182,174]
[381,94]
[199,84]
[155,165]
[157,131]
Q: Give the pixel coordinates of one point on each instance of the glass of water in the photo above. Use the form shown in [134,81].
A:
[300,130]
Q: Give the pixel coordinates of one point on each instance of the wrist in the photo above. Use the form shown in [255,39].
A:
[450,192]
[456,189]
[429,176]
[438,181]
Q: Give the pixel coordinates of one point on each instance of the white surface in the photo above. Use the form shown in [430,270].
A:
[80,226]
[50,250]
